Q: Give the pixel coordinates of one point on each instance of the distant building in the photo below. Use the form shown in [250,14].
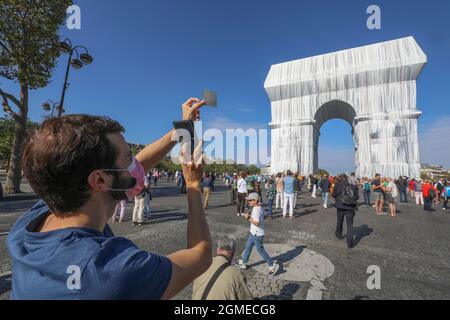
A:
[434,171]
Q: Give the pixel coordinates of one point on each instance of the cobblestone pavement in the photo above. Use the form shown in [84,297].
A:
[412,250]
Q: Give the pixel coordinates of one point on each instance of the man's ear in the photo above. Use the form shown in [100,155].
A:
[98,181]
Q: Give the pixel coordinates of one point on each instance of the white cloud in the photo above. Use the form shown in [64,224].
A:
[434,143]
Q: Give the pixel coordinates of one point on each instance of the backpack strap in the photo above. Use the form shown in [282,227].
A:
[214,279]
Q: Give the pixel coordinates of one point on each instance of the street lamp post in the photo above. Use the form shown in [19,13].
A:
[81,59]
[51,105]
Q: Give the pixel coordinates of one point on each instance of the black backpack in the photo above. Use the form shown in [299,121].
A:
[350,195]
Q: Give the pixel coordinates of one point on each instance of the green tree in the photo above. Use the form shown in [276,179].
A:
[7,138]
[323,172]
[28,51]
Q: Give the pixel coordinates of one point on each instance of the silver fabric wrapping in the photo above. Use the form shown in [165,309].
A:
[373,88]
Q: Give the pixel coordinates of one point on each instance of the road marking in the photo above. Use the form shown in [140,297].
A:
[300,264]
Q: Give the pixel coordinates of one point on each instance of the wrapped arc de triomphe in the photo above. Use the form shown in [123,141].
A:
[373,88]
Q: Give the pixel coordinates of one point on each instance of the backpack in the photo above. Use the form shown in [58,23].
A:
[447,191]
[367,186]
[350,195]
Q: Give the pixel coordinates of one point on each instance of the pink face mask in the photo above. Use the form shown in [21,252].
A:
[137,171]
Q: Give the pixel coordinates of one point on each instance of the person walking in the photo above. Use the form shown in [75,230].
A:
[222,281]
[155,177]
[207,187]
[256,236]
[418,192]
[346,196]
[366,191]
[402,188]
[288,186]
[391,192]
[352,179]
[280,192]
[233,188]
[439,186]
[297,188]
[411,187]
[378,193]
[446,195]
[313,186]
[271,192]
[429,193]
[120,211]
[242,193]
[147,199]
[138,210]
[325,187]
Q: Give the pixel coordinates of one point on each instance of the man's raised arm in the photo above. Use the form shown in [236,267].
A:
[155,152]
[188,264]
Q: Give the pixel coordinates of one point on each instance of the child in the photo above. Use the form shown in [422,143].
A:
[256,237]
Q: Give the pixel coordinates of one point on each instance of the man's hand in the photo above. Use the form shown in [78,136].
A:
[191,109]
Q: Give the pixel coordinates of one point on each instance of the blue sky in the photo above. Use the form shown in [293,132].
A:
[150,56]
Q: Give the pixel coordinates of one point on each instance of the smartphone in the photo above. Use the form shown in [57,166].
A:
[189,126]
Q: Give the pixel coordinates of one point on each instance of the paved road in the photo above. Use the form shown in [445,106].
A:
[412,251]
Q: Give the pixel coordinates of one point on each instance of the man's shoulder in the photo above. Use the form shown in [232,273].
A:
[234,272]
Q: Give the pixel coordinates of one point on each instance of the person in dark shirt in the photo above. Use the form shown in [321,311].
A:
[378,193]
[325,187]
[344,210]
[207,187]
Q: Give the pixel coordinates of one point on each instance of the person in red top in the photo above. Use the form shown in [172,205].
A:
[427,195]
[411,186]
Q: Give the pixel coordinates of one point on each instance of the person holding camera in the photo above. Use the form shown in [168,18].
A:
[63,248]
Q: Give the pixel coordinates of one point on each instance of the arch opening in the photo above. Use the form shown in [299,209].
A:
[332,110]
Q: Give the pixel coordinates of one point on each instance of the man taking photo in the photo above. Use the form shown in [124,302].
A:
[81,167]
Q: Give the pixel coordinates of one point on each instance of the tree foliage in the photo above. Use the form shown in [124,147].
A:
[168,164]
[7,138]
[29,47]
[29,39]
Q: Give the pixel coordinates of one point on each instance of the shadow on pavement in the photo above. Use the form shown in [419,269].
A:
[5,283]
[166,217]
[305,213]
[284,259]
[286,293]
[361,232]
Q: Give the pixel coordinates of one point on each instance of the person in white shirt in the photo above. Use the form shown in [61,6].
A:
[242,193]
[256,237]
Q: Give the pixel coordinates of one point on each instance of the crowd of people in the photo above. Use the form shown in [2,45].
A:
[283,190]
[382,193]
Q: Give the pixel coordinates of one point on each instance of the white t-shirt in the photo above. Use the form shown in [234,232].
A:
[242,186]
[257,216]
